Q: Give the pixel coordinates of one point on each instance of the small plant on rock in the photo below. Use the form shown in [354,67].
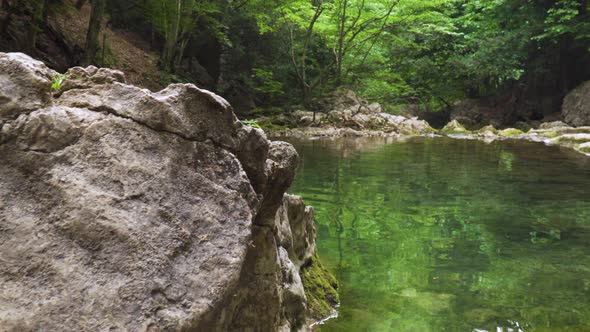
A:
[57,81]
[252,123]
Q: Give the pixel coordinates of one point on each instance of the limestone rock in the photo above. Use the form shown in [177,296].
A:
[84,78]
[584,148]
[576,106]
[296,229]
[127,210]
[25,84]
[553,124]
[508,132]
[454,127]
[344,114]
[572,138]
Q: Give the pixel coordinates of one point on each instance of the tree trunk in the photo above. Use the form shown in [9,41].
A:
[39,10]
[169,57]
[94,27]
[7,9]
[80,4]
[305,85]
[340,50]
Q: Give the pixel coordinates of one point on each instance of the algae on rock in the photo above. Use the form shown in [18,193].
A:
[321,289]
[509,132]
[454,127]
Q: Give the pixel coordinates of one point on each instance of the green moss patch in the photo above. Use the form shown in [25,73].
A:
[511,132]
[584,147]
[572,138]
[549,134]
[320,289]
[454,127]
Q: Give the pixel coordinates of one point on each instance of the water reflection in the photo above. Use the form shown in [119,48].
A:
[451,235]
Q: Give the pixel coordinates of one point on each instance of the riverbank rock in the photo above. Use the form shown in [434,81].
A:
[454,127]
[576,106]
[343,114]
[507,108]
[550,133]
[475,113]
[123,209]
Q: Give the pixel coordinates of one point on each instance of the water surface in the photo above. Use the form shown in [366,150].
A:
[452,235]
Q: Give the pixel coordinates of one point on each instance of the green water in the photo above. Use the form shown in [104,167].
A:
[452,235]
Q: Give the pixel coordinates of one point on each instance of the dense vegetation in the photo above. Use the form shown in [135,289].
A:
[275,53]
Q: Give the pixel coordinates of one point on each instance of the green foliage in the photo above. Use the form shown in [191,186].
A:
[57,81]
[564,18]
[252,123]
[428,53]
[167,78]
[265,82]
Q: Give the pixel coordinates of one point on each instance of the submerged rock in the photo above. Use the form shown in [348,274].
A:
[429,301]
[576,106]
[123,209]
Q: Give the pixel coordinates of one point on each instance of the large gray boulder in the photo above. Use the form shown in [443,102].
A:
[25,84]
[576,106]
[127,210]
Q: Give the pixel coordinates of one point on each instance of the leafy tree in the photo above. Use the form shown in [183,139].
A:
[177,22]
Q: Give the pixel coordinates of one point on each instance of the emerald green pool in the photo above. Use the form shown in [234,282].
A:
[435,234]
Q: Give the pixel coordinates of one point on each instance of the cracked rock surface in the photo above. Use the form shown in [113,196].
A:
[127,210]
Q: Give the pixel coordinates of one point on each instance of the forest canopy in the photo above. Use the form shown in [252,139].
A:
[398,52]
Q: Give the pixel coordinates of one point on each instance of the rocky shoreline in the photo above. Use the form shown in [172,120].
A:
[349,117]
[552,133]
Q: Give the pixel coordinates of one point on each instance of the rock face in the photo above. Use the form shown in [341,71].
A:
[506,108]
[126,210]
[576,106]
[475,112]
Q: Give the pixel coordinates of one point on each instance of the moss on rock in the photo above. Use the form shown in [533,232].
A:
[454,127]
[488,128]
[549,134]
[572,138]
[511,132]
[584,147]
[320,289]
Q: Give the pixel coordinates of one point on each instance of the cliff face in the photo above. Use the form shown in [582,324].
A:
[123,209]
